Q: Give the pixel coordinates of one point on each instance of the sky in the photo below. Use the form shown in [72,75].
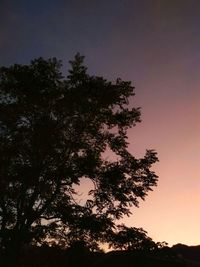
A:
[153,43]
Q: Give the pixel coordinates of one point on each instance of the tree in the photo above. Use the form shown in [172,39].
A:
[131,238]
[55,132]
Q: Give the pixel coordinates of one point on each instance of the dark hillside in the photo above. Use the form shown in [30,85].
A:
[191,253]
[137,259]
[177,256]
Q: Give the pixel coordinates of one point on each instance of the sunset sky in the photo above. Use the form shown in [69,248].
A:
[156,45]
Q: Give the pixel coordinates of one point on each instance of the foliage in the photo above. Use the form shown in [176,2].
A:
[131,238]
[54,133]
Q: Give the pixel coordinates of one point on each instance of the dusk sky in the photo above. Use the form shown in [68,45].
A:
[156,45]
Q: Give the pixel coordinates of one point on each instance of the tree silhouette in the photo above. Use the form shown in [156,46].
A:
[55,132]
[131,238]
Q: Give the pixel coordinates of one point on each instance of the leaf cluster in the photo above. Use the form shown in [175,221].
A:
[54,132]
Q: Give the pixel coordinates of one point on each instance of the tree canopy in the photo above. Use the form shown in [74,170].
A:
[54,132]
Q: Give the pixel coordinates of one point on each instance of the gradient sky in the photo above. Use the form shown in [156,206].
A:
[155,44]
